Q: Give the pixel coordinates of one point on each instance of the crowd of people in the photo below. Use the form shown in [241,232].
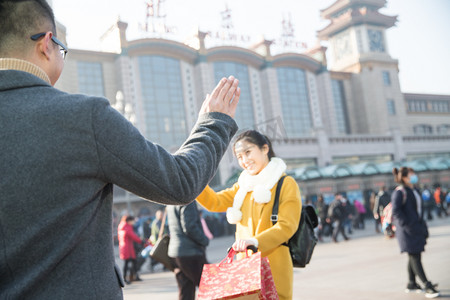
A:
[340,217]
[337,220]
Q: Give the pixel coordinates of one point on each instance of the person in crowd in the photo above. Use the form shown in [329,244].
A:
[143,230]
[321,210]
[360,211]
[371,206]
[155,231]
[439,199]
[249,204]
[411,229]
[62,153]
[127,237]
[447,200]
[187,247]
[337,215]
[428,202]
[156,226]
[349,214]
[382,199]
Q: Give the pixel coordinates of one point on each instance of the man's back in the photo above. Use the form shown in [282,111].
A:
[54,200]
[59,155]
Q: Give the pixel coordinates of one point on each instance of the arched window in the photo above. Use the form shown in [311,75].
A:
[244,112]
[163,103]
[295,104]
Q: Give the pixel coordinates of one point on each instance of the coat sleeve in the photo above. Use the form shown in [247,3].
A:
[191,226]
[289,211]
[132,235]
[130,161]
[217,201]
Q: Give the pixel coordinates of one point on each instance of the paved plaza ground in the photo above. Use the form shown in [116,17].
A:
[366,267]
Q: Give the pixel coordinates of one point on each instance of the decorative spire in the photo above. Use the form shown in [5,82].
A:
[155,18]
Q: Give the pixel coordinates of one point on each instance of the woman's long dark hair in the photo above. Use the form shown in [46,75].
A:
[400,174]
[256,138]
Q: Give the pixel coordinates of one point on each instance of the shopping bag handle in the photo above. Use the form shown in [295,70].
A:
[232,253]
[251,247]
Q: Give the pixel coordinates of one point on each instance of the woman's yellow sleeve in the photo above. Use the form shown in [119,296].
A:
[217,201]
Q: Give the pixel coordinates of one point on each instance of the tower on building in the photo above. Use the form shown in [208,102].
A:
[357,44]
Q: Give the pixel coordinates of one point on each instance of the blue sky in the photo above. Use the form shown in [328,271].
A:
[419,41]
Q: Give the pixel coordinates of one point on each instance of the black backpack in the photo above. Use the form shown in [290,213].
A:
[301,244]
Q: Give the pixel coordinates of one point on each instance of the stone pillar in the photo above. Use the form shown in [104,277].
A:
[324,158]
[399,147]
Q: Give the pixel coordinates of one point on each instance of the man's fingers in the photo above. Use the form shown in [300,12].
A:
[225,88]
[235,102]
[229,95]
[218,88]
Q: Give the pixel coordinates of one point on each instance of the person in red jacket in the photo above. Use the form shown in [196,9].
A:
[127,236]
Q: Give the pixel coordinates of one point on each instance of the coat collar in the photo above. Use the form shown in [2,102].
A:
[23,65]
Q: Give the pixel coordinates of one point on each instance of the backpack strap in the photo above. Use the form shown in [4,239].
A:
[274,216]
[402,189]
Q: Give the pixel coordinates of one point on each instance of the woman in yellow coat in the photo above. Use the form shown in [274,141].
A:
[249,204]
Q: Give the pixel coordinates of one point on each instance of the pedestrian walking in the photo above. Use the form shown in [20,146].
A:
[382,199]
[360,214]
[127,237]
[62,153]
[336,216]
[439,199]
[249,204]
[411,229]
[187,247]
[428,203]
[324,226]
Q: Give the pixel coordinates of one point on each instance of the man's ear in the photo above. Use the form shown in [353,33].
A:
[44,47]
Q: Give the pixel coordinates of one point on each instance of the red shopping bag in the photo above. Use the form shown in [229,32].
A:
[247,278]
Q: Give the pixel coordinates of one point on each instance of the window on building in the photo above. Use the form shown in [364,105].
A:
[295,104]
[430,106]
[440,106]
[163,102]
[391,107]
[339,106]
[386,78]
[423,129]
[443,129]
[244,112]
[90,78]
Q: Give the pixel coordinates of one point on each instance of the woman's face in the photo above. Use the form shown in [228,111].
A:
[412,178]
[251,157]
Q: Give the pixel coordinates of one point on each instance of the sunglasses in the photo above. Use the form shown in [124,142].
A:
[63,50]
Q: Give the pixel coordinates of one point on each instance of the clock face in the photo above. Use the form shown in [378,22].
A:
[376,42]
[342,46]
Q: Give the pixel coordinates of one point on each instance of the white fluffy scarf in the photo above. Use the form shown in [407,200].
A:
[260,184]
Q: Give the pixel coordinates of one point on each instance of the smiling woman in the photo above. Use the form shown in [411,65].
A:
[249,203]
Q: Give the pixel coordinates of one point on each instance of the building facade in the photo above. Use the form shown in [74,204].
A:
[321,107]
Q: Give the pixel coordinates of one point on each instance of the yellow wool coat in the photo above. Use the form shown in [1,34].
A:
[256,223]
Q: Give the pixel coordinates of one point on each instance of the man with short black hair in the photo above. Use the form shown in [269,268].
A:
[60,155]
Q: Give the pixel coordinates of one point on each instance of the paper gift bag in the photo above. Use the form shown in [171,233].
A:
[247,278]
